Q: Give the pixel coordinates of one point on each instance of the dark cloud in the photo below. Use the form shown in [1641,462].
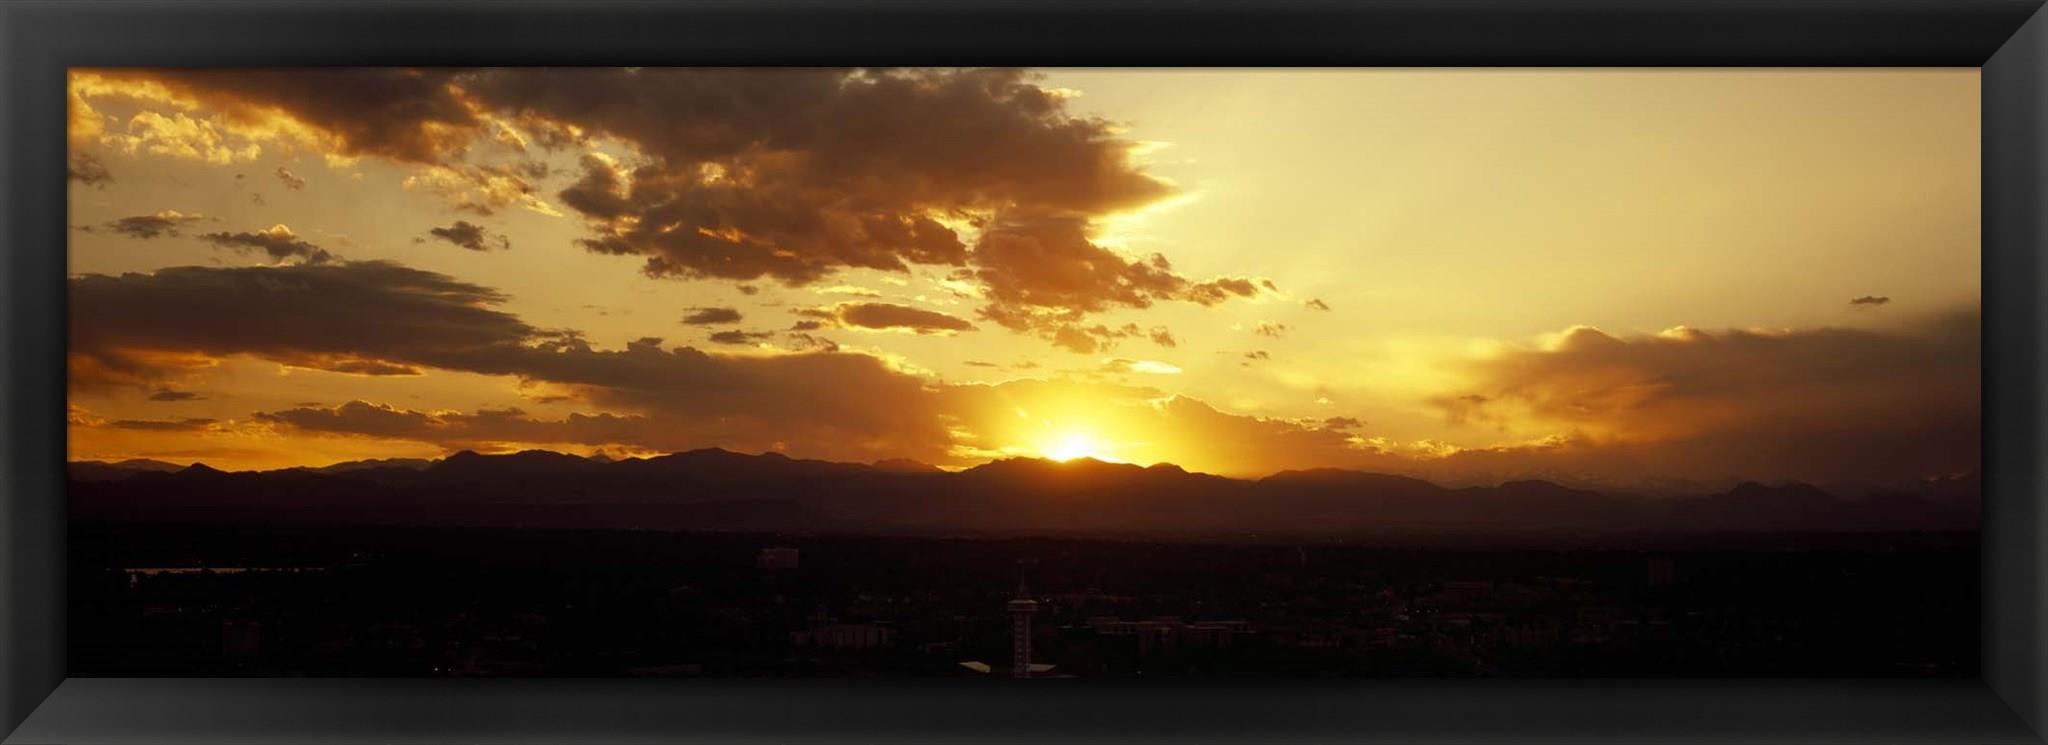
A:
[1342,422]
[803,342]
[736,336]
[807,325]
[277,241]
[729,173]
[1051,263]
[1215,291]
[1820,404]
[148,328]
[366,367]
[1257,354]
[354,417]
[419,117]
[1088,339]
[471,236]
[454,429]
[405,115]
[86,168]
[735,159]
[600,195]
[290,181]
[142,327]
[703,316]
[735,231]
[1274,330]
[169,394]
[820,404]
[155,225]
[889,317]
[153,425]
[1079,340]
[1046,275]
[1316,304]
[1870,301]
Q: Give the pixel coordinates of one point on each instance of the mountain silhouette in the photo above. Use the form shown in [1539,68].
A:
[93,470]
[199,471]
[906,465]
[723,490]
[359,465]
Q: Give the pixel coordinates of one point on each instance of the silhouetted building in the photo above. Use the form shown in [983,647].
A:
[1662,572]
[241,638]
[843,636]
[776,558]
[1166,634]
[1021,609]
[1020,636]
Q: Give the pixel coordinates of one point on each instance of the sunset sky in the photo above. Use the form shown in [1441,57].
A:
[1628,277]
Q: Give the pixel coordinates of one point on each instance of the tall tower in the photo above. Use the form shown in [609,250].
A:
[1021,609]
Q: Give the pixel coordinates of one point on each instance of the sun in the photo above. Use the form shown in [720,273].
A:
[1077,445]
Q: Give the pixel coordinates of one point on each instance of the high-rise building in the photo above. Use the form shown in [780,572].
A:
[1020,636]
[1021,609]
[1663,572]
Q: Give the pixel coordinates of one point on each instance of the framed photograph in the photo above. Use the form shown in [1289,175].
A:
[822,372]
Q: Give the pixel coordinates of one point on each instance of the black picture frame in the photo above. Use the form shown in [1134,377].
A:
[38,40]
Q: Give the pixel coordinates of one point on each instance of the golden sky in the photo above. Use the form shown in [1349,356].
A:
[1613,276]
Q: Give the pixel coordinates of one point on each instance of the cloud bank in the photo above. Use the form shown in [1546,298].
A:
[727,173]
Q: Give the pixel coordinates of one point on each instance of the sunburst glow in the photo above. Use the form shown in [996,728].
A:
[1077,445]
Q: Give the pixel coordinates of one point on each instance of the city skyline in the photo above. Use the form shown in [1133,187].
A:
[1622,276]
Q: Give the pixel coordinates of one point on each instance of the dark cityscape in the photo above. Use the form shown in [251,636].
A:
[370,601]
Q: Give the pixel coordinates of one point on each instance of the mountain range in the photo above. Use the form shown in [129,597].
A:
[715,489]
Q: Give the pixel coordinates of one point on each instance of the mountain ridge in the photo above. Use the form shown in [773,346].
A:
[713,488]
